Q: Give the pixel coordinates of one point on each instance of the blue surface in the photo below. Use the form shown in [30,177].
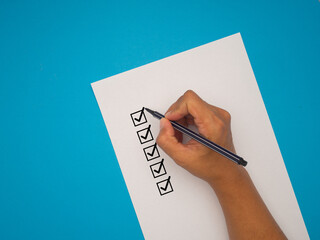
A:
[59,178]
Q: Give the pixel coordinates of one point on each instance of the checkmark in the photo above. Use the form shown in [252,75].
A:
[165,186]
[145,135]
[158,169]
[151,152]
[160,166]
[138,117]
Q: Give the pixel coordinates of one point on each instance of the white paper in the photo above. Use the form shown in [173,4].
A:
[219,72]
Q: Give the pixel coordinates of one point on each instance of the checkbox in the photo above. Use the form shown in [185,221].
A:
[138,117]
[165,186]
[151,152]
[158,169]
[145,135]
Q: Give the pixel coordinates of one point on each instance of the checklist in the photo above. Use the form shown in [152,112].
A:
[169,201]
[151,152]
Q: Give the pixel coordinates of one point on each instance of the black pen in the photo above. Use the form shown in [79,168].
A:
[224,152]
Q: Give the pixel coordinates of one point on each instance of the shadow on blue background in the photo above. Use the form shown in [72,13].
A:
[59,177]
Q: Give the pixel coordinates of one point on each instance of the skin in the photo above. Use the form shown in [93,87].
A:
[246,215]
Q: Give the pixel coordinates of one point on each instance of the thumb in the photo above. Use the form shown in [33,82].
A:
[169,143]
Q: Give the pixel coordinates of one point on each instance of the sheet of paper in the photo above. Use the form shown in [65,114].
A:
[170,203]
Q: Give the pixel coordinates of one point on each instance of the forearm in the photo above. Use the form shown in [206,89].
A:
[246,215]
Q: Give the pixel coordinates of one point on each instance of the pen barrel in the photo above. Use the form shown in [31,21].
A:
[158,115]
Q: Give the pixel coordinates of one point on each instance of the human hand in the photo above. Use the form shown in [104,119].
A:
[246,214]
[214,124]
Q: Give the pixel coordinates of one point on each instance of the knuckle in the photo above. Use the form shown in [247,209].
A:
[227,115]
[189,94]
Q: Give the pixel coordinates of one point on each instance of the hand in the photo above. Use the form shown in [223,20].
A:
[213,123]
[247,216]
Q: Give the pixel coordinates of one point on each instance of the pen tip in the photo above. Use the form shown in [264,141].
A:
[148,110]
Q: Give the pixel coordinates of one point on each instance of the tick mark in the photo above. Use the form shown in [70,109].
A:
[138,118]
[147,133]
[167,184]
[141,114]
[153,150]
[159,169]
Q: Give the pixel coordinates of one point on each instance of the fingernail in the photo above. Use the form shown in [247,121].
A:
[168,113]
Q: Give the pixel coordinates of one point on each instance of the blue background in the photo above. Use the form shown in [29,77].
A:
[59,177]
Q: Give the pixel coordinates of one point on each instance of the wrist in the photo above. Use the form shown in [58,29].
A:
[230,178]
